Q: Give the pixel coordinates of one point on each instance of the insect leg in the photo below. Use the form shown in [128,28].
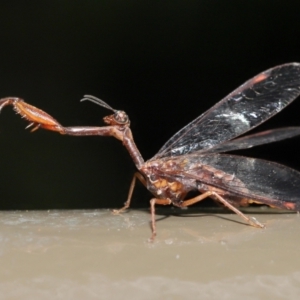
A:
[40,119]
[136,175]
[196,199]
[154,201]
[251,221]
[34,115]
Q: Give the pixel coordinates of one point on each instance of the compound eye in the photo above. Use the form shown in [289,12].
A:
[121,117]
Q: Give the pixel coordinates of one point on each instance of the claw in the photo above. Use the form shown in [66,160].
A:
[31,113]
[35,128]
[31,124]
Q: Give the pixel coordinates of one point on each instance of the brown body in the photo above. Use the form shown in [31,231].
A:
[191,159]
[161,177]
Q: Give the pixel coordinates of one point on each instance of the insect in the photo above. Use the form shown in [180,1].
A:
[193,158]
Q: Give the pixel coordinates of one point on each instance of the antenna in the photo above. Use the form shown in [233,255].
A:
[97,101]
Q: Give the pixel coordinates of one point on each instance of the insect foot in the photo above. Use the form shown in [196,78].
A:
[255,223]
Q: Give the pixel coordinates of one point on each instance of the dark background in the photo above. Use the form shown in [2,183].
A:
[163,62]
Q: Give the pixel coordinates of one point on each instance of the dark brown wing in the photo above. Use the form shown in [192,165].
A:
[246,177]
[245,108]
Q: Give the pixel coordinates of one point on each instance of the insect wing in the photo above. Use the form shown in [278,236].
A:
[245,108]
[260,138]
[250,178]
